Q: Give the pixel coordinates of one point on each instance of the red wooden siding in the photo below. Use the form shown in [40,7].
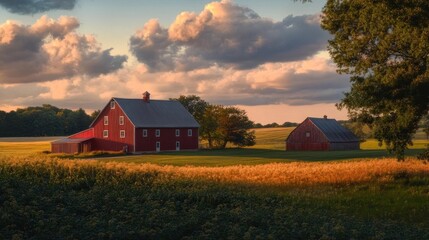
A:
[167,139]
[113,142]
[72,148]
[298,141]
[88,133]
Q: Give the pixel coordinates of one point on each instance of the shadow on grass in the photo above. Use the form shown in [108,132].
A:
[276,155]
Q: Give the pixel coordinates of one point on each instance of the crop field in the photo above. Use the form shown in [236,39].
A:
[260,192]
[46,198]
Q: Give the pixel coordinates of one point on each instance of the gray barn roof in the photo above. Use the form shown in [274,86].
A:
[334,131]
[71,140]
[156,113]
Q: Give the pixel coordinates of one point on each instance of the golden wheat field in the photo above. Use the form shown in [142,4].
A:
[279,174]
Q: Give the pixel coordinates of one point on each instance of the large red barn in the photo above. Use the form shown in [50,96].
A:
[136,125]
[321,134]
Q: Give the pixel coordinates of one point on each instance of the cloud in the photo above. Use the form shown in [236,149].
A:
[36,6]
[49,50]
[226,35]
[298,83]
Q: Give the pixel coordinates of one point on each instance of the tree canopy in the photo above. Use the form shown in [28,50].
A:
[220,125]
[384,47]
[46,120]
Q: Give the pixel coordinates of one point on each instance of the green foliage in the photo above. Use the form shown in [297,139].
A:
[424,156]
[383,46]
[219,124]
[194,104]
[46,120]
[425,125]
[234,126]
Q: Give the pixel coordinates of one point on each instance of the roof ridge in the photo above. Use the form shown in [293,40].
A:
[158,100]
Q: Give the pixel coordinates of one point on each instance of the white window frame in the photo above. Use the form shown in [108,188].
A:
[121,120]
[189,132]
[177,132]
[106,120]
[112,104]
[122,133]
[144,132]
[105,133]
[157,133]
[307,134]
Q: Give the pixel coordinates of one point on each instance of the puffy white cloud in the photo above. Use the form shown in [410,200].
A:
[226,35]
[49,50]
[36,6]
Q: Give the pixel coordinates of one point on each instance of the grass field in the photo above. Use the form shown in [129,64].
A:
[269,148]
[262,192]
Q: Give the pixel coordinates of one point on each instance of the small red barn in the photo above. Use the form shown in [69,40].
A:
[136,125]
[321,134]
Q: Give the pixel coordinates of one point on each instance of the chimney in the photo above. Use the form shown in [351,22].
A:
[146,96]
[325,117]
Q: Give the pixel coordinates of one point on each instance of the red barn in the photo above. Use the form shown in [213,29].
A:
[321,134]
[136,125]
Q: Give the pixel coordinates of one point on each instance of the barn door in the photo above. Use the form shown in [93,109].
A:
[177,146]
[158,146]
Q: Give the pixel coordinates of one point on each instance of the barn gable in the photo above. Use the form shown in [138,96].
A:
[136,125]
[321,134]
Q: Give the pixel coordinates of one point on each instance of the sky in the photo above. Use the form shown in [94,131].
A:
[268,58]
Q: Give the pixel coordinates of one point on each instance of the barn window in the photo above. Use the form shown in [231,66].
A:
[122,134]
[106,133]
[112,105]
[144,132]
[307,134]
[177,132]
[157,132]
[189,132]
[121,120]
[106,120]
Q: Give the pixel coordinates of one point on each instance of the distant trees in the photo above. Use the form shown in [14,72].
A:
[220,124]
[274,125]
[46,120]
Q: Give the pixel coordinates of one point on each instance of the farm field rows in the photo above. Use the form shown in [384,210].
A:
[366,199]
[259,192]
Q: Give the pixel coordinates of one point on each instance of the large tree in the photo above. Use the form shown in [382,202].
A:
[384,47]
[234,127]
[194,104]
[219,124]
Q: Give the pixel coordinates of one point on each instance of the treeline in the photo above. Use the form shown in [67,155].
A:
[274,125]
[46,120]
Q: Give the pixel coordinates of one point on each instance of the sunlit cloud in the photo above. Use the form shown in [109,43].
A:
[228,36]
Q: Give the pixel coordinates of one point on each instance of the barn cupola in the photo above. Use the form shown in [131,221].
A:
[325,117]
[146,96]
